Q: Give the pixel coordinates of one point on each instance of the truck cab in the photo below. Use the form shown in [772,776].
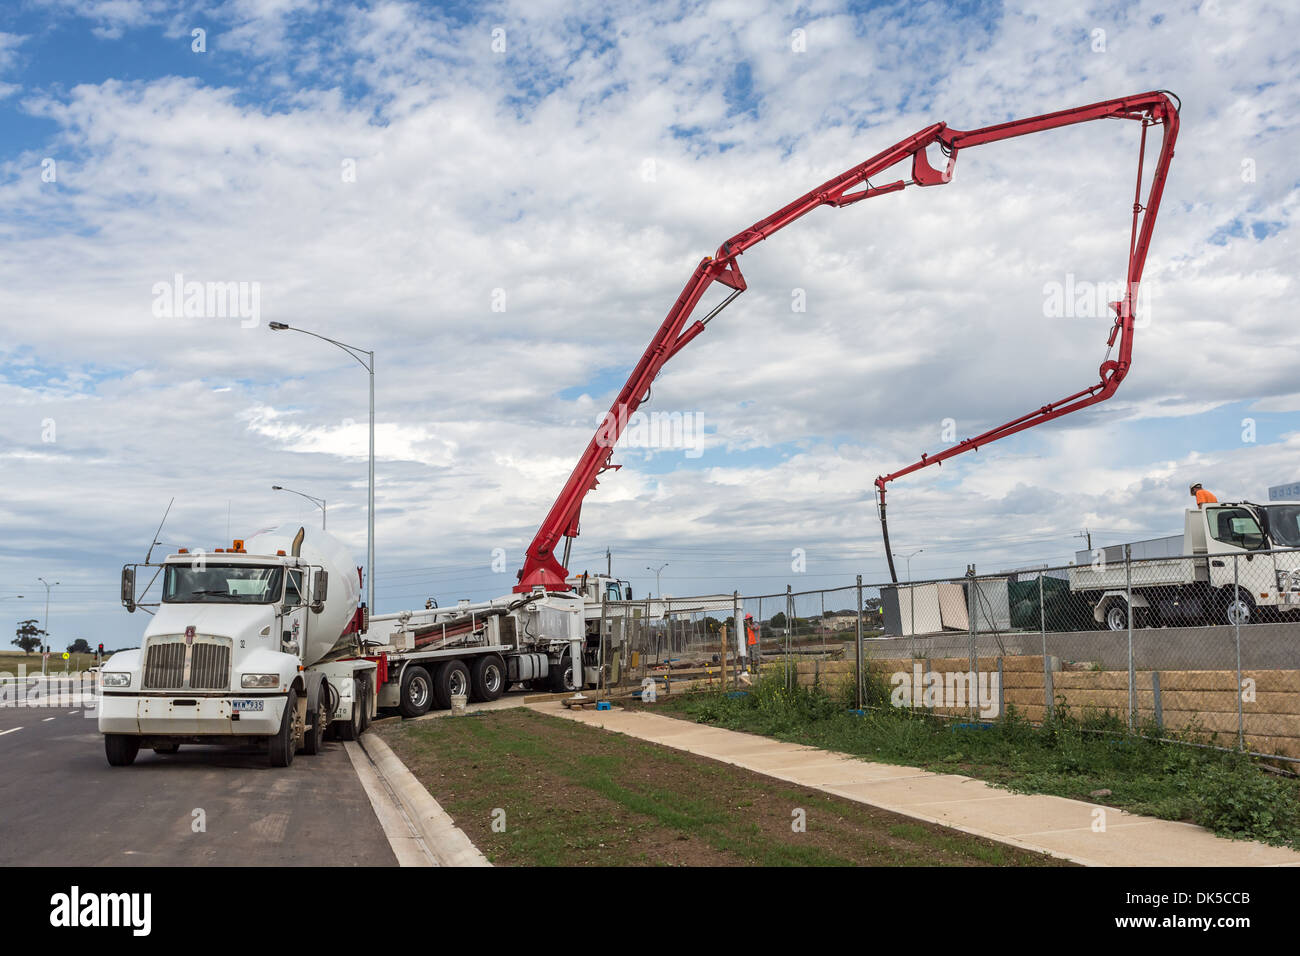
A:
[1223,569]
[595,588]
[239,650]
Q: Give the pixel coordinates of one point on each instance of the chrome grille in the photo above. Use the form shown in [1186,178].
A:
[210,667]
[172,665]
[164,665]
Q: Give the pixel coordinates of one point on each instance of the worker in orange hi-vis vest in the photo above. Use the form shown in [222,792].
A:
[1202,496]
[751,635]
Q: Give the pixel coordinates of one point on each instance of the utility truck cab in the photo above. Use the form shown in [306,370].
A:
[247,645]
[1223,569]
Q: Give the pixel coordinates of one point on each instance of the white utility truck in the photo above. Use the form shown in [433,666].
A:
[255,644]
[1223,569]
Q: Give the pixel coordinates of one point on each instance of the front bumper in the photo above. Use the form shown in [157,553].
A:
[181,715]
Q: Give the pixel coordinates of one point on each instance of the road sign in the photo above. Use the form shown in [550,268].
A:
[66,655]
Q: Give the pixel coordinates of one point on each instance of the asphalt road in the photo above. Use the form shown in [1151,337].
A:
[62,804]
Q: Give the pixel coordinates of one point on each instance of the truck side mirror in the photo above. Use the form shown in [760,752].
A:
[629,592]
[320,590]
[128,589]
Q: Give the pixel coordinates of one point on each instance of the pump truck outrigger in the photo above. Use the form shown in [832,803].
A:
[542,571]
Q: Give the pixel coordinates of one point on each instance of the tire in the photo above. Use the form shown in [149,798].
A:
[488,678]
[1238,611]
[282,745]
[313,737]
[121,749]
[416,692]
[365,706]
[169,749]
[561,676]
[1116,616]
[452,678]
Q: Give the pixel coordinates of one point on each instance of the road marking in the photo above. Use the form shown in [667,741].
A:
[47,720]
[9,731]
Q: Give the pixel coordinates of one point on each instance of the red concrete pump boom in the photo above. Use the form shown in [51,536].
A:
[541,567]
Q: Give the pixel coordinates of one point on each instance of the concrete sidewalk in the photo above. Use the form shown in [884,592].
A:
[1054,825]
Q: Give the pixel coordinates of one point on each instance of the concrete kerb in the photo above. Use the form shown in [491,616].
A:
[446,843]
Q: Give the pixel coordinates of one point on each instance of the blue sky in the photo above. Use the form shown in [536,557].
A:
[575,166]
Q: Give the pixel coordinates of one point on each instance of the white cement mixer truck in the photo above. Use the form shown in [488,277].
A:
[256,644]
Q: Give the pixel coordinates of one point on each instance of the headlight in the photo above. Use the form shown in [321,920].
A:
[115,679]
[260,680]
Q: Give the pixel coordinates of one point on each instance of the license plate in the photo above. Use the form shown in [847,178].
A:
[244,706]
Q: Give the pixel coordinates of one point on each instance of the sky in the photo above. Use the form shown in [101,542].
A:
[502,201]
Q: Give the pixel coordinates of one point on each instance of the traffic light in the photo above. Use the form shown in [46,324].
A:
[100,652]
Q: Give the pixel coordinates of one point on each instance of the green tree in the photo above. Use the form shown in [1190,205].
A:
[29,636]
[79,646]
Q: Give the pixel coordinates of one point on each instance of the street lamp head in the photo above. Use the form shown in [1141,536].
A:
[277,326]
[277,488]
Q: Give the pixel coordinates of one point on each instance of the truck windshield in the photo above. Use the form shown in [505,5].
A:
[1284,525]
[221,584]
[1236,527]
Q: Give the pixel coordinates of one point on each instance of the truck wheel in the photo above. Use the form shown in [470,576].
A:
[416,692]
[562,675]
[168,749]
[452,678]
[1117,616]
[365,706]
[121,749]
[1236,608]
[282,745]
[314,736]
[489,678]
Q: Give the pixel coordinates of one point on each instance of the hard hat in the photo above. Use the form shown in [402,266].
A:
[749,617]
[1192,490]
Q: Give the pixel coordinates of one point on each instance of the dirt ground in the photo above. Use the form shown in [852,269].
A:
[529,789]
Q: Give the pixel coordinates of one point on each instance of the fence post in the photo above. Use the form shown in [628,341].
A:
[1002,694]
[1042,615]
[789,628]
[742,635]
[857,657]
[1128,599]
[1236,623]
[1155,691]
[973,675]
[1049,689]
[604,636]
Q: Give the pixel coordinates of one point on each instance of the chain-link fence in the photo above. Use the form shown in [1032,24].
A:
[670,639]
[1202,649]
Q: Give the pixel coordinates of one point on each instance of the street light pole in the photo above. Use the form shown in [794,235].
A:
[368,363]
[46,626]
[318,502]
[656,571]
